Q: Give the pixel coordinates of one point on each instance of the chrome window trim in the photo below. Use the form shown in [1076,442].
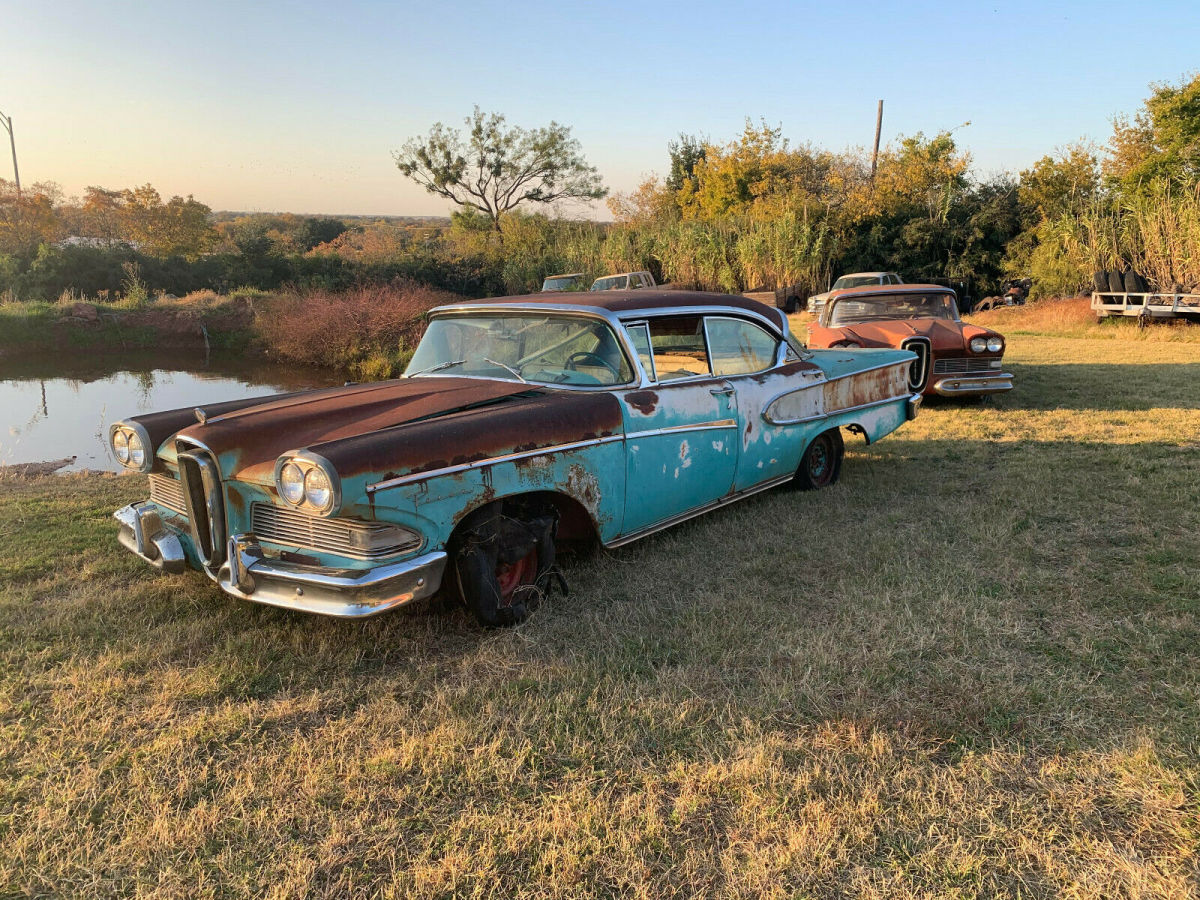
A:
[650,377]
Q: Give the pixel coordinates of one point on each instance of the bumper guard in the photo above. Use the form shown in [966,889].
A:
[142,531]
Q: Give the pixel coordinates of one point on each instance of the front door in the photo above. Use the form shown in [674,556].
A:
[681,433]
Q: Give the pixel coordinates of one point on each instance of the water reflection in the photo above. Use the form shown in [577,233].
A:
[51,408]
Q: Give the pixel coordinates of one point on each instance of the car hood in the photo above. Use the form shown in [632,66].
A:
[247,441]
[944,334]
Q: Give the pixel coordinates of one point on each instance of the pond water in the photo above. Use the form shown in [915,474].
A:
[51,409]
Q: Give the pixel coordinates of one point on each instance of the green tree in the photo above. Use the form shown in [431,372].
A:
[1059,185]
[179,227]
[495,168]
[316,230]
[1162,140]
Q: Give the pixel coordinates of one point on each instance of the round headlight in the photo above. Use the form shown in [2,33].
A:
[137,453]
[317,489]
[978,345]
[995,344]
[120,445]
[291,483]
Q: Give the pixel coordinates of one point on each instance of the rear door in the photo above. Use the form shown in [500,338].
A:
[756,363]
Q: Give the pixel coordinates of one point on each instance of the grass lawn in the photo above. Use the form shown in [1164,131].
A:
[971,669]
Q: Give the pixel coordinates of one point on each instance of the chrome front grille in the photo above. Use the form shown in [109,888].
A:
[918,373]
[200,479]
[167,491]
[344,537]
[965,366]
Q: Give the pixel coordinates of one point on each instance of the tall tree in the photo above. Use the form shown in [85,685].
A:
[1162,141]
[497,168]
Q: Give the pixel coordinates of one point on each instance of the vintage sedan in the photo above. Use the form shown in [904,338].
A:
[521,422]
[954,359]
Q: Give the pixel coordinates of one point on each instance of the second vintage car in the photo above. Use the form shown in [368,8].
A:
[954,358]
[521,422]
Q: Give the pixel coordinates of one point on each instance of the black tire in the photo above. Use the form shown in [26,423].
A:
[501,559]
[821,464]
[1134,283]
[1116,284]
[791,305]
[1100,281]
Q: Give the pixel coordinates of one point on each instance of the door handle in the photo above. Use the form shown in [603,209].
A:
[718,392]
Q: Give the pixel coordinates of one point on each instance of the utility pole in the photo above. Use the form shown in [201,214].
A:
[6,121]
[874,155]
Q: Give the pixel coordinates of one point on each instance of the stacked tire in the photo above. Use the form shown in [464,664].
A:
[1113,281]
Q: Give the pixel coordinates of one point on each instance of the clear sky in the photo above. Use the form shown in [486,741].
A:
[297,107]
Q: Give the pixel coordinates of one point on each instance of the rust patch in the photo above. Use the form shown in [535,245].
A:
[866,387]
[644,402]
[237,503]
[519,426]
[582,485]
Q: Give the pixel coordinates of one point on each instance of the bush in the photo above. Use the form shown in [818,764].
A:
[369,331]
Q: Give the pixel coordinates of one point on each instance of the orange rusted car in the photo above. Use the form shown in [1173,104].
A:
[954,358]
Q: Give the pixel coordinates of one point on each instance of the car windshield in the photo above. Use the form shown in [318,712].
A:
[853,281]
[523,347]
[850,310]
[563,283]
[612,283]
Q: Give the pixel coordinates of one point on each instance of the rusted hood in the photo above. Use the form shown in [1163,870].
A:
[249,440]
[943,334]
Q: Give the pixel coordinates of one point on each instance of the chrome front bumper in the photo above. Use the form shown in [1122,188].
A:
[249,574]
[143,532]
[960,385]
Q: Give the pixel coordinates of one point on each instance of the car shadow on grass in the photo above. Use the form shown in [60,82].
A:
[1115,386]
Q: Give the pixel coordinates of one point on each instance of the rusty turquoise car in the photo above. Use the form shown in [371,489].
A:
[521,423]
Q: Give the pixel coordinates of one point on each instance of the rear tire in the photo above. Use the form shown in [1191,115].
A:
[821,465]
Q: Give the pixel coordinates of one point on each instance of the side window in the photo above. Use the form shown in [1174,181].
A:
[739,347]
[639,336]
[679,349]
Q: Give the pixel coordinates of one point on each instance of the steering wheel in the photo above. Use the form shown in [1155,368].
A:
[593,359]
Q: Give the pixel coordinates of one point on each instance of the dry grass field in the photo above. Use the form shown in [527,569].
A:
[971,669]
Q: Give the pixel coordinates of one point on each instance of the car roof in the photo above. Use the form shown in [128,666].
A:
[625,303]
[880,289]
[621,274]
[567,275]
[865,275]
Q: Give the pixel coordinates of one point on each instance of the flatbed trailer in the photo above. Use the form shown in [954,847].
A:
[1151,305]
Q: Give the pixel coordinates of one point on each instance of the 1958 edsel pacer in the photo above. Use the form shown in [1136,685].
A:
[521,421]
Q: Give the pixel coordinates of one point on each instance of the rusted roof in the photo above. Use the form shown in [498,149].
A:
[644,300]
[872,289]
